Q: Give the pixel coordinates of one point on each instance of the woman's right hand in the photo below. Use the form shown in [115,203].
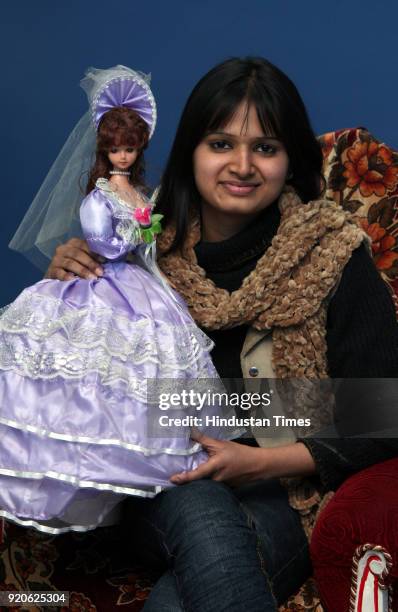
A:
[72,259]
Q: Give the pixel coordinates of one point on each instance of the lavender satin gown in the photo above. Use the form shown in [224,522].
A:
[75,359]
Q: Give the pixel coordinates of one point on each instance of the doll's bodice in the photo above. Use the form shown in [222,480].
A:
[110,222]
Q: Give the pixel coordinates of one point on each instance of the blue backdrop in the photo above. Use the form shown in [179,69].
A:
[341,55]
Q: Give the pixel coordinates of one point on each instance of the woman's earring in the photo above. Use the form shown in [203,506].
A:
[289,176]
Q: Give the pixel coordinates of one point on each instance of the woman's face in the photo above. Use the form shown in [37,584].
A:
[238,170]
[122,158]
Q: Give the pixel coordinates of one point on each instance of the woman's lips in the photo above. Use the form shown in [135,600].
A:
[239,188]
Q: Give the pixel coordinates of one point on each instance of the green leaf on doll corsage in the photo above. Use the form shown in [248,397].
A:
[148,234]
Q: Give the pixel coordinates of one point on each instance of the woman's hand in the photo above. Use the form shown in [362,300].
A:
[228,462]
[72,259]
[237,464]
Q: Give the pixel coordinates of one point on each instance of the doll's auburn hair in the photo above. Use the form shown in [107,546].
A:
[120,126]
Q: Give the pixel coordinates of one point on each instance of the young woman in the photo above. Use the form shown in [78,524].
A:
[282,282]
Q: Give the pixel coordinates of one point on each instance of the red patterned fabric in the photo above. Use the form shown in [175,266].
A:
[96,568]
[364,509]
[362,176]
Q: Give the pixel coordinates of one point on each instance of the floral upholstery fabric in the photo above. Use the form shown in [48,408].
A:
[96,568]
[362,176]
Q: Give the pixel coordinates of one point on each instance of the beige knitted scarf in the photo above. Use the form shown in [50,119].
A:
[287,291]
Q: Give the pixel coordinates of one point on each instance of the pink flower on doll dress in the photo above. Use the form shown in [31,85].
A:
[143,216]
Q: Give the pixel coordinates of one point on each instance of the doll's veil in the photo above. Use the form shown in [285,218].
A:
[53,216]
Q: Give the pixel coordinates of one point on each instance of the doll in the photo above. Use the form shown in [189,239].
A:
[80,359]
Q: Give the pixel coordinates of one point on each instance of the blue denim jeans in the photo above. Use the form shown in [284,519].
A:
[222,549]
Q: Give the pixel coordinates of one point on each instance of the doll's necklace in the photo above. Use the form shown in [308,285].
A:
[121,172]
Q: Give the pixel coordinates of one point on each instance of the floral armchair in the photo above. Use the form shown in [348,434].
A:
[353,573]
[97,569]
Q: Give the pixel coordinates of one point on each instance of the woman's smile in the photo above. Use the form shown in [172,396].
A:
[239,189]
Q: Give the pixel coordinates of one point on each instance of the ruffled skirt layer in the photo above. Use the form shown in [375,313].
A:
[82,364]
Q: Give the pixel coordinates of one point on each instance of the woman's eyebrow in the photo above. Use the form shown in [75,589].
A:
[222,133]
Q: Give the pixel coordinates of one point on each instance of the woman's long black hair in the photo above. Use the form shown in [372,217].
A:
[211,105]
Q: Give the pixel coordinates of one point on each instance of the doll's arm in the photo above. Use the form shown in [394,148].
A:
[98,229]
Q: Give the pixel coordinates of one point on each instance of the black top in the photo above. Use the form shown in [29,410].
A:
[362,337]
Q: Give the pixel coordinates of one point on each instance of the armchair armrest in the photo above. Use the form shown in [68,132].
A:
[370,590]
[363,510]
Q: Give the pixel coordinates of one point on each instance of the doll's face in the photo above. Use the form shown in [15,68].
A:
[123,157]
